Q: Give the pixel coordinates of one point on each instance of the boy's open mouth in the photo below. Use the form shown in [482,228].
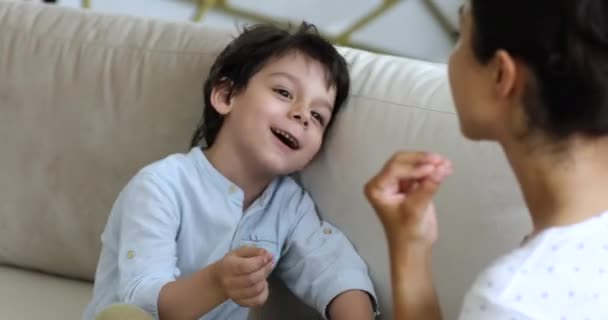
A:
[286,137]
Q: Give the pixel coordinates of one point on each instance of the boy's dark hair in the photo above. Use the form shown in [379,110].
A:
[250,51]
[565,45]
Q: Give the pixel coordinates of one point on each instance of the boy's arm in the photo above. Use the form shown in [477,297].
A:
[322,268]
[240,276]
[191,297]
[353,304]
[147,262]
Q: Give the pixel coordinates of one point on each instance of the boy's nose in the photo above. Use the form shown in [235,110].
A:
[299,116]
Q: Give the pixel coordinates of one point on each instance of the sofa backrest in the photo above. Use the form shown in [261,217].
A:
[86,99]
[404,104]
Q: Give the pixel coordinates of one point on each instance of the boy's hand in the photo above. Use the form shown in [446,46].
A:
[401,194]
[242,274]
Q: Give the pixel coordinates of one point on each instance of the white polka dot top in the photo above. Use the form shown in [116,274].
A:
[561,274]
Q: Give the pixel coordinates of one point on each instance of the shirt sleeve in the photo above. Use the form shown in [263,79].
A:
[148,219]
[480,305]
[319,262]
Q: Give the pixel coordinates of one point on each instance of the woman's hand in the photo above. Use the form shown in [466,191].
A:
[402,192]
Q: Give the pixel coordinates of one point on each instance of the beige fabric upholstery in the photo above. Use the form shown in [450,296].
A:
[405,104]
[124,312]
[86,99]
[26,295]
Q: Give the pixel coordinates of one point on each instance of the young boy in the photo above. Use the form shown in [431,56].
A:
[196,235]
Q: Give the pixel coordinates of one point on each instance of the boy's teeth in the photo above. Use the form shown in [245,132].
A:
[286,135]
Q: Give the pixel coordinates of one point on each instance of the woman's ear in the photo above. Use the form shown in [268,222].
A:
[221,97]
[512,77]
[506,74]
[511,80]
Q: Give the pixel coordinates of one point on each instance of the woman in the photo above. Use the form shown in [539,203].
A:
[531,75]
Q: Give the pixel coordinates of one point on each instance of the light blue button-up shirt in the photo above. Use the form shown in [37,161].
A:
[179,215]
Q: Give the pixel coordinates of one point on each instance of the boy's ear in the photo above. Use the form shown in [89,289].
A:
[221,97]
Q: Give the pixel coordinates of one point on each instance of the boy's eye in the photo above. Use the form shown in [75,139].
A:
[284,93]
[318,117]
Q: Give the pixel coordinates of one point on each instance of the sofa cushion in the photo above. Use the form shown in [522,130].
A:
[31,295]
[86,100]
[403,104]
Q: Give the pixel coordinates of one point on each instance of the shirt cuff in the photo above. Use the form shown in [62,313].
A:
[146,296]
[346,281]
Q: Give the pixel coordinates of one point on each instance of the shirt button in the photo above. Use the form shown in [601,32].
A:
[232,189]
[327,231]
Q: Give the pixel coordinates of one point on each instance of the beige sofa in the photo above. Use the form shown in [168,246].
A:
[86,99]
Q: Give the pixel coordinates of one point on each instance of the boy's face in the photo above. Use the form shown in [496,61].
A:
[276,124]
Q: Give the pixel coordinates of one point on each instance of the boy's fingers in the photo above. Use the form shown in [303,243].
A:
[256,300]
[253,264]
[255,277]
[249,251]
[269,267]
[251,291]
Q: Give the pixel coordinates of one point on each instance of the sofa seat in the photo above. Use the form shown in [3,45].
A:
[34,295]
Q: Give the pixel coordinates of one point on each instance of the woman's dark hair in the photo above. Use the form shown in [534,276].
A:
[250,51]
[565,45]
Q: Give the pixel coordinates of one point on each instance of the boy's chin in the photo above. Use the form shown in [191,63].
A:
[284,170]
[282,167]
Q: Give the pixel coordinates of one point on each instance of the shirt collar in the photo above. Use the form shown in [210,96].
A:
[233,191]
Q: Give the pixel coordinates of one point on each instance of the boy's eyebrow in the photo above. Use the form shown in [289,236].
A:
[461,11]
[286,75]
